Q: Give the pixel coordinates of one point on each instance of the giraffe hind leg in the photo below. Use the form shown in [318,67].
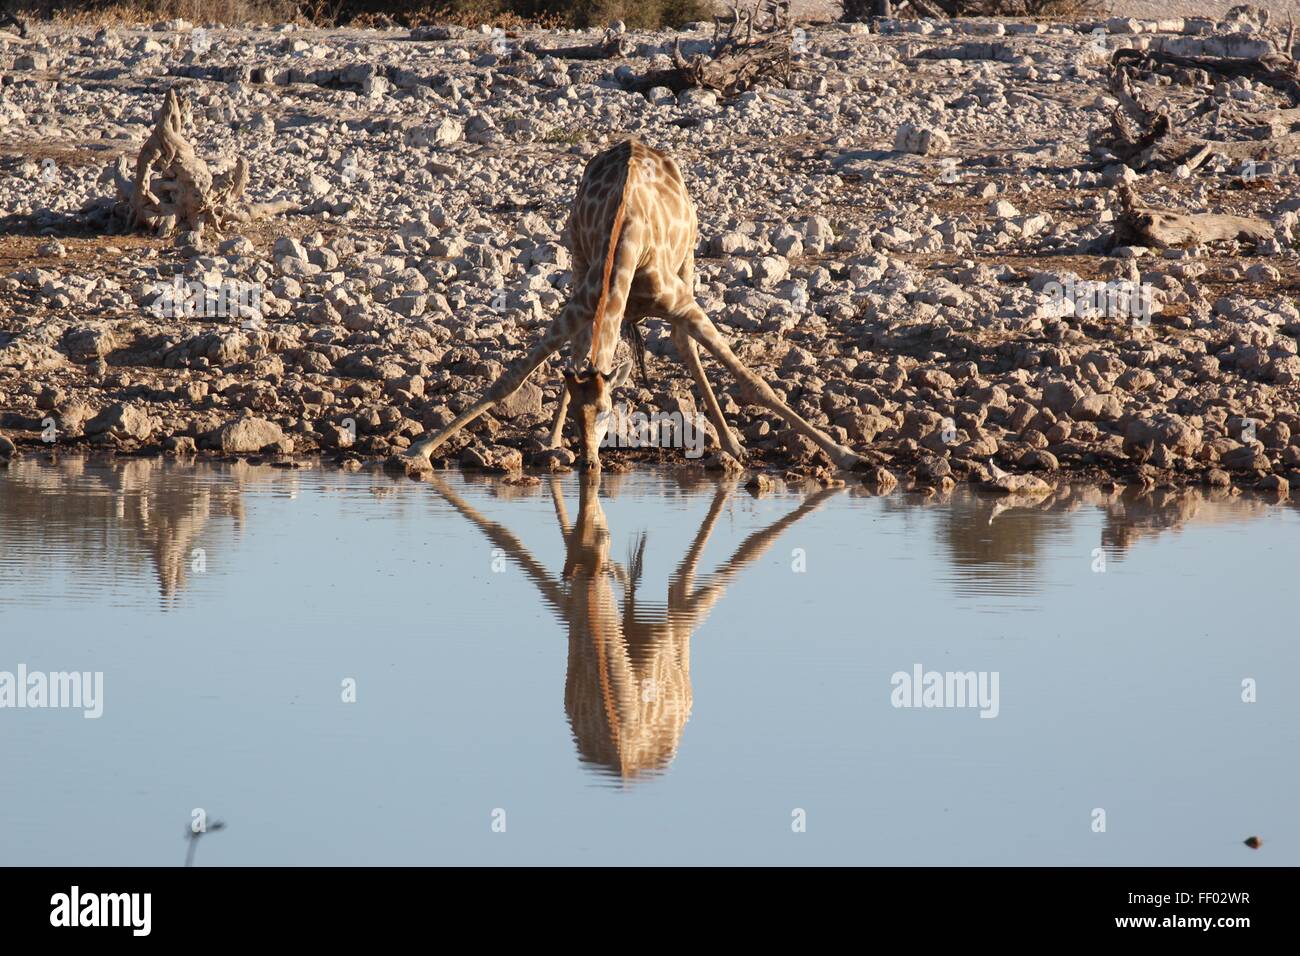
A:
[686,349]
[684,310]
[685,346]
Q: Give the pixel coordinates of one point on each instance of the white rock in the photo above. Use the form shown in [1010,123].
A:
[446,133]
[922,140]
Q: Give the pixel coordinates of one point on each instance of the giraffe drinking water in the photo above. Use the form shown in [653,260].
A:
[632,231]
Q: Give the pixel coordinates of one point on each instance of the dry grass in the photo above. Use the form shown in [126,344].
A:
[1054,9]
[373,13]
[646,14]
[1067,9]
[101,13]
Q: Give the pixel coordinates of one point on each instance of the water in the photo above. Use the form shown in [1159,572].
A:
[686,675]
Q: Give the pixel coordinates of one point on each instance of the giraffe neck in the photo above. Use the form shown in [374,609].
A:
[615,230]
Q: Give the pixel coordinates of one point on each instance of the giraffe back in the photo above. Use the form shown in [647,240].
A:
[634,195]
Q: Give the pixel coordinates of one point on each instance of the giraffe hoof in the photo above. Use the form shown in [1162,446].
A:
[417,453]
[409,462]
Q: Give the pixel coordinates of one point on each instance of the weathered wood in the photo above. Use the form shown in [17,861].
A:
[1140,135]
[729,74]
[1140,225]
[611,46]
[9,19]
[1136,130]
[1274,125]
[173,189]
[739,59]
[1261,150]
[1277,70]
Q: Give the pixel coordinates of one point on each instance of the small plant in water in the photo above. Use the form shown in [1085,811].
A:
[193,838]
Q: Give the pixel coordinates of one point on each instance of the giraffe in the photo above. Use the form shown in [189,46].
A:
[632,231]
[627,692]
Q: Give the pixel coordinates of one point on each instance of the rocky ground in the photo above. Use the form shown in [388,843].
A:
[913,245]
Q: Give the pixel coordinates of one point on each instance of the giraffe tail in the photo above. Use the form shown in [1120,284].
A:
[637,343]
[615,232]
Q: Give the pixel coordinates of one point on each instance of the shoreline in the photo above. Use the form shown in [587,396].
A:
[910,244]
[885,476]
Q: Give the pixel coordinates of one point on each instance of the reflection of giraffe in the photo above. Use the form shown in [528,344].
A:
[167,514]
[106,516]
[628,690]
[1003,540]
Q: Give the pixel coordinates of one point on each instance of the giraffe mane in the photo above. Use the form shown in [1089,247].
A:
[614,232]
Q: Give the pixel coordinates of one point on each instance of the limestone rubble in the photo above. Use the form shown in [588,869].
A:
[913,244]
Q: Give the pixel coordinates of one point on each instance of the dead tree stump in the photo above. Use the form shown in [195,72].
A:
[747,54]
[173,189]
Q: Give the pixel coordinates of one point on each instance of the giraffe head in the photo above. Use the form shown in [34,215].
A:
[590,407]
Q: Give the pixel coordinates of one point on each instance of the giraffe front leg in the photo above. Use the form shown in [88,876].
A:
[686,349]
[557,427]
[688,312]
[514,376]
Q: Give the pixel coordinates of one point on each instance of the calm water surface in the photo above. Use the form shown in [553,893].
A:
[648,670]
